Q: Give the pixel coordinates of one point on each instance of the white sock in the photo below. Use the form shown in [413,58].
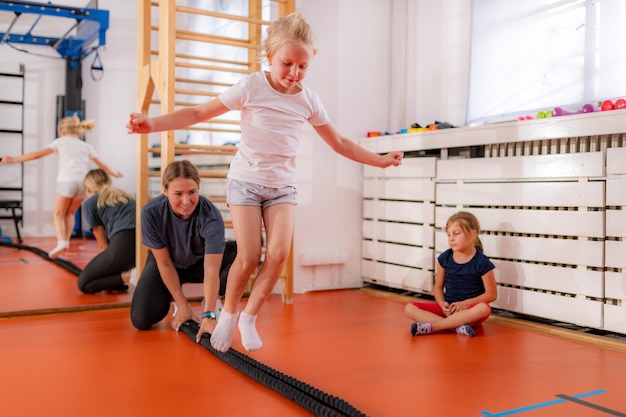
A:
[222,336]
[59,250]
[133,277]
[247,327]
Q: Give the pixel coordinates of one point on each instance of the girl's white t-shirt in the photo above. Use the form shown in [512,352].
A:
[74,156]
[271,126]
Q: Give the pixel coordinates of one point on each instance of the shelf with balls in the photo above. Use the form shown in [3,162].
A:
[606,105]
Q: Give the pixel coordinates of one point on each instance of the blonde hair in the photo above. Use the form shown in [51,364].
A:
[98,181]
[292,27]
[74,126]
[468,222]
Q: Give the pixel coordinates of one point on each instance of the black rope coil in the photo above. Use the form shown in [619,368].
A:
[310,398]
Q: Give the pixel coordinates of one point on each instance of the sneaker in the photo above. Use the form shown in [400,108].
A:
[466,330]
[59,250]
[418,328]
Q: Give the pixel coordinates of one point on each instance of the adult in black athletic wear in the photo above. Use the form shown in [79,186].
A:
[110,213]
[184,232]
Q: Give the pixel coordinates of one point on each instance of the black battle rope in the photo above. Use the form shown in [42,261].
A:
[61,262]
[310,398]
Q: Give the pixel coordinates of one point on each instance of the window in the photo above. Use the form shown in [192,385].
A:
[534,55]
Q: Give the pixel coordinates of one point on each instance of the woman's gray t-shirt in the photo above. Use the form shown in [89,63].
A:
[186,239]
[113,218]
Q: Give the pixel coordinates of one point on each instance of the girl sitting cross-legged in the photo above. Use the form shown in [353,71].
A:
[464,284]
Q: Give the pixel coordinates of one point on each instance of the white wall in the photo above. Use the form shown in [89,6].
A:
[351,74]
[382,65]
[441,56]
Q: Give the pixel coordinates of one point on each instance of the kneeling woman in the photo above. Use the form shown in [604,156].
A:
[110,212]
[185,234]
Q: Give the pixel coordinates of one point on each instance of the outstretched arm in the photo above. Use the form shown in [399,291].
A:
[106,168]
[179,119]
[352,150]
[27,157]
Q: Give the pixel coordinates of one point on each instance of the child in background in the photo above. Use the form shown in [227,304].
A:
[262,177]
[464,284]
[110,213]
[74,156]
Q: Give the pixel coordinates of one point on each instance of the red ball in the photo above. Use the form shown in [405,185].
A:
[620,104]
[607,105]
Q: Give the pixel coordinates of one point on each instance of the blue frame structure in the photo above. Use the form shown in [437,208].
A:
[90,24]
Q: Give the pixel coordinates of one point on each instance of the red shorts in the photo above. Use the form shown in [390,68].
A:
[435,309]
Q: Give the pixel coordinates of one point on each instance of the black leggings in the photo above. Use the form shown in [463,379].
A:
[104,271]
[151,299]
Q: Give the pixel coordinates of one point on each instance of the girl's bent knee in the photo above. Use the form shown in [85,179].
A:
[408,308]
[276,257]
[247,266]
[483,309]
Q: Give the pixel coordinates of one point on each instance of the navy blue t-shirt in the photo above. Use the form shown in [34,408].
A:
[463,281]
[186,239]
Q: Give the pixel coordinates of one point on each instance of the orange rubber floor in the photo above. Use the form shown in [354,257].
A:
[348,343]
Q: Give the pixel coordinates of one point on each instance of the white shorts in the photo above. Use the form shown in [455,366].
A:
[71,189]
[242,193]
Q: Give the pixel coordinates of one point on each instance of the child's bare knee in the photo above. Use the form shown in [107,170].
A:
[408,308]
[483,309]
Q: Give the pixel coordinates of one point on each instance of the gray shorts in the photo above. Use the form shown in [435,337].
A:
[71,189]
[242,193]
